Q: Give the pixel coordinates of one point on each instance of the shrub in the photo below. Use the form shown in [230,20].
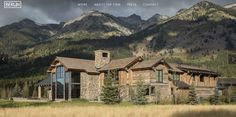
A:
[25,91]
[215,98]
[181,99]
[16,92]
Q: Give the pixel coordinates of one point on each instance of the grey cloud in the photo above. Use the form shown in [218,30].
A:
[54,11]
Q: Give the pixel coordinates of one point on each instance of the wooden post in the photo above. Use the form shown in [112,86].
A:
[39,92]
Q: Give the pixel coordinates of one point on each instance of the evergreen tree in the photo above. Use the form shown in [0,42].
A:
[35,93]
[9,92]
[110,91]
[229,94]
[3,92]
[16,92]
[25,91]
[140,95]
[192,96]
[216,98]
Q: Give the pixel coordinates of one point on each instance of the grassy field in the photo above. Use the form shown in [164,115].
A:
[85,109]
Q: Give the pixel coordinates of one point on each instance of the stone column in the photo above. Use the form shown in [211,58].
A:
[39,92]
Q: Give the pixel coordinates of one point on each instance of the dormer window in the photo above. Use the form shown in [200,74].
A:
[104,54]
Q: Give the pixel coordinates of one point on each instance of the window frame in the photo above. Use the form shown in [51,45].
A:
[175,76]
[104,54]
[159,76]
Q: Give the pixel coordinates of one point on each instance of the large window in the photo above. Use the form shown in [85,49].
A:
[159,76]
[60,78]
[75,85]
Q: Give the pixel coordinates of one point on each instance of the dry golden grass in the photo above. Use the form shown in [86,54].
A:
[121,111]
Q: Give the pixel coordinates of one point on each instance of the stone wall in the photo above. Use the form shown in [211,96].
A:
[124,92]
[89,86]
[149,78]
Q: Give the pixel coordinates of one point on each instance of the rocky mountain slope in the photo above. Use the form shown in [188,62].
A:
[94,24]
[205,28]
[133,21]
[155,19]
[203,31]
[230,6]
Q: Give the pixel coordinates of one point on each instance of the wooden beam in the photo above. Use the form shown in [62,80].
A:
[39,92]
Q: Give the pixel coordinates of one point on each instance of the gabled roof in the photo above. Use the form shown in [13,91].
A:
[174,68]
[226,81]
[181,84]
[152,63]
[193,69]
[147,64]
[77,64]
[120,63]
[45,82]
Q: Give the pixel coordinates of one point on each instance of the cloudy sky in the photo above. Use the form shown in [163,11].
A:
[54,11]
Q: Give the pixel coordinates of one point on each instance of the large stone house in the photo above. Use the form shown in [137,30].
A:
[79,78]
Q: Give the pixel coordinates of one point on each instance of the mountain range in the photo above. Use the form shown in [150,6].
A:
[197,35]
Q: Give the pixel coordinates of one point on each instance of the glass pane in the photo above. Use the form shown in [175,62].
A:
[76,77]
[75,91]
[60,78]
[159,75]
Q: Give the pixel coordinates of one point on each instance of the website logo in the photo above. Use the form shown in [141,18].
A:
[12,4]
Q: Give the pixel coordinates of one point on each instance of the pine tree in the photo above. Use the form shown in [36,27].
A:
[229,94]
[216,98]
[192,96]
[140,95]
[25,91]
[110,91]
[16,92]
[35,93]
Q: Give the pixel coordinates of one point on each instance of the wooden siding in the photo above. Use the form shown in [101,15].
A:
[209,81]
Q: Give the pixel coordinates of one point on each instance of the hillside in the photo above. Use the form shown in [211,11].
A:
[20,35]
[201,35]
[209,31]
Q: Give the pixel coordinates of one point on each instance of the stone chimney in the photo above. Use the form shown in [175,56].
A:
[102,57]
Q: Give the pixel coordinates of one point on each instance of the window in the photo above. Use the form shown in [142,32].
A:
[172,91]
[159,75]
[75,77]
[193,77]
[60,72]
[147,91]
[175,76]
[214,78]
[60,81]
[201,78]
[104,54]
[152,90]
